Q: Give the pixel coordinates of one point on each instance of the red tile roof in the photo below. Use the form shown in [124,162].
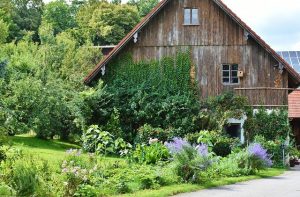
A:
[294,104]
[156,9]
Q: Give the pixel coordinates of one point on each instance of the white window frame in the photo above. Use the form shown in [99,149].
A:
[191,11]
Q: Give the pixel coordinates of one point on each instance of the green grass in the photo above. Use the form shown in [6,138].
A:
[54,151]
[184,188]
[51,150]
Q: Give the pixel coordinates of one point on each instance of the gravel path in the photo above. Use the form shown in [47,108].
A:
[286,185]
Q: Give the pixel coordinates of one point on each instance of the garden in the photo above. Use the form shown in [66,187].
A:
[141,130]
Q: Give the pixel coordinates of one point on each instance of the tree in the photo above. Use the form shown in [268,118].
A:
[143,6]
[107,23]
[3,31]
[26,16]
[59,15]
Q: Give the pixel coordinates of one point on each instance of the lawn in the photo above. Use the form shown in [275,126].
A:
[54,151]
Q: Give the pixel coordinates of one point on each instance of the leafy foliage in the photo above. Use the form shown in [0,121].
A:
[272,126]
[94,139]
[150,154]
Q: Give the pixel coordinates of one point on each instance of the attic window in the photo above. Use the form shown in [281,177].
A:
[191,16]
[230,74]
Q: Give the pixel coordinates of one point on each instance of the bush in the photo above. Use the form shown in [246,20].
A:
[273,148]
[272,126]
[188,164]
[150,154]
[147,132]
[5,190]
[2,154]
[94,139]
[25,177]
[258,157]
[223,147]
[86,191]
[219,143]
[234,165]
[189,160]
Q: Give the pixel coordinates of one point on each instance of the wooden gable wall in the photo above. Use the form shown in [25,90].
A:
[216,41]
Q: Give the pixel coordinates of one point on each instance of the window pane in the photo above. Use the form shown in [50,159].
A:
[195,17]
[234,67]
[235,80]
[187,16]
[234,73]
[225,73]
[225,67]
[225,80]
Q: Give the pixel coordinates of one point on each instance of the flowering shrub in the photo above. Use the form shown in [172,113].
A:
[259,158]
[178,145]
[76,170]
[189,160]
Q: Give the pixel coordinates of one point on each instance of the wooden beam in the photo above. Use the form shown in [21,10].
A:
[264,88]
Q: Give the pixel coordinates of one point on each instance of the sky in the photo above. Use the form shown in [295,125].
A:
[276,21]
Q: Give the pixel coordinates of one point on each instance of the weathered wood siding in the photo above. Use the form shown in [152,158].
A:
[217,40]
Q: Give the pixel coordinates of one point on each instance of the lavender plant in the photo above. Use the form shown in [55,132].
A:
[259,158]
[189,160]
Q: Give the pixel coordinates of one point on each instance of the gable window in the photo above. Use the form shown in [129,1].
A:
[191,16]
[230,74]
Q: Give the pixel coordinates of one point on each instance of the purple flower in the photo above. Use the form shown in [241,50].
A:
[202,149]
[176,145]
[258,151]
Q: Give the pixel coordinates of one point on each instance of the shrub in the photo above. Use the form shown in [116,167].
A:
[222,147]
[234,165]
[148,183]
[25,177]
[147,132]
[122,187]
[96,140]
[273,148]
[189,160]
[5,190]
[217,142]
[2,154]
[75,176]
[150,154]
[86,191]
[258,157]
[272,126]
[188,164]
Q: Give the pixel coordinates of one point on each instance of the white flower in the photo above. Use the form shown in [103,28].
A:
[152,141]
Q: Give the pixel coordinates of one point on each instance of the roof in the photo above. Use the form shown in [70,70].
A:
[291,57]
[156,9]
[294,104]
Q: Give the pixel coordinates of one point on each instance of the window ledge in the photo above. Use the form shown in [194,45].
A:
[191,24]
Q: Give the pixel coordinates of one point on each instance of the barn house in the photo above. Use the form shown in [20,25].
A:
[227,54]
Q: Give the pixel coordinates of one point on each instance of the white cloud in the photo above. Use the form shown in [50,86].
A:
[276,21]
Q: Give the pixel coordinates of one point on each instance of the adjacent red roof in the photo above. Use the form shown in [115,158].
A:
[161,4]
[294,104]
